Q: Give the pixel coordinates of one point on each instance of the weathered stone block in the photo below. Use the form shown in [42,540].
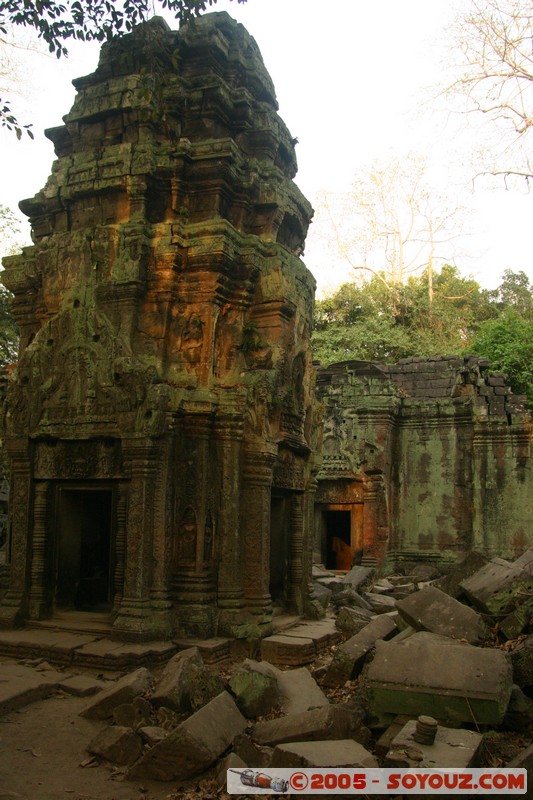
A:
[117,744]
[427,674]
[451,582]
[282,649]
[186,684]
[522,661]
[298,689]
[341,753]
[252,754]
[349,657]
[133,715]
[430,609]
[255,693]
[358,576]
[231,761]
[333,722]
[380,604]
[152,734]
[195,744]
[352,620]
[518,620]
[500,586]
[123,691]
[452,748]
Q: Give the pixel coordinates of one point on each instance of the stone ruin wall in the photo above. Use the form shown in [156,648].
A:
[433,455]
[164,361]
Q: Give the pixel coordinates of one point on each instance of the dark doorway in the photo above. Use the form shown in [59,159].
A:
[338,540]
[84,524]
[279,548]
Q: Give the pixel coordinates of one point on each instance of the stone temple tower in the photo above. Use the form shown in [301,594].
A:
[159,422]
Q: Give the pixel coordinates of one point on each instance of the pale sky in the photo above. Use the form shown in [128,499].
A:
[352,83]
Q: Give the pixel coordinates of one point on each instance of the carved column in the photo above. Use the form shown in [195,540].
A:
[194,586]
[133,621]
[230,594]
[40,570]
[370,524]
[15,603]
[255,522]
[162,520]
[296,552]
[120,546]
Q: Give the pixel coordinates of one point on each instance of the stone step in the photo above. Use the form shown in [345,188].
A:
[300,644]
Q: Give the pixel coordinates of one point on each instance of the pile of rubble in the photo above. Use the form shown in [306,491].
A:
[430,669]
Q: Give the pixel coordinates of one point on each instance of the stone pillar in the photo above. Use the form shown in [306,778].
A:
[194,587]
[309,606]
[161,604]
[14,607]
[296,552]
[120,546]
[230,594]
[255,522]
[40,605]
[370,524]
[133,621]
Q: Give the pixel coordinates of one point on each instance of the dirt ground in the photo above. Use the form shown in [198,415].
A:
[43,745]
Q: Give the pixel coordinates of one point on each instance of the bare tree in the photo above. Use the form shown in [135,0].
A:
[494,73]
[391,223]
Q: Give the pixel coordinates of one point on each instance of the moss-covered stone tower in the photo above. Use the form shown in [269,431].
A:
[159,422]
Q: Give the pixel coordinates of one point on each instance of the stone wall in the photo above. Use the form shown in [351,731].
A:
[432,455]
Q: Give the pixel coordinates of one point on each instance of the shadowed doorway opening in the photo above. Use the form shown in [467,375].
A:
[84,568]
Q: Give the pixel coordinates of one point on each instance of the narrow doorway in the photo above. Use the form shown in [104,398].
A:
[279,548]
[84,525]
[338,540]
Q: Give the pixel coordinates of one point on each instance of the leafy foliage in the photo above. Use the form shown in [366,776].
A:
[363,322]
[56,22]
[371,321]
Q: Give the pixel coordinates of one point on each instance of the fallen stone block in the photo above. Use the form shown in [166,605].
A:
[194,745]
[519,714]
[298,689]
[341,753]
[384,742]
[499,587]
[430,609]
[424,572]
[283,649]
[82,685]
[358,576]
[380,603]
[451,583]
[427,674]
[186,684]
[350,656]
[349,597]
[117,744]
[333,722]
[321,594]
[352,620]
[253,755]
[522,661]
[518,620]
[256,693]
[452,748]
[152,734]
[133,715]
[231,761]
[382,586]
[124,690]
